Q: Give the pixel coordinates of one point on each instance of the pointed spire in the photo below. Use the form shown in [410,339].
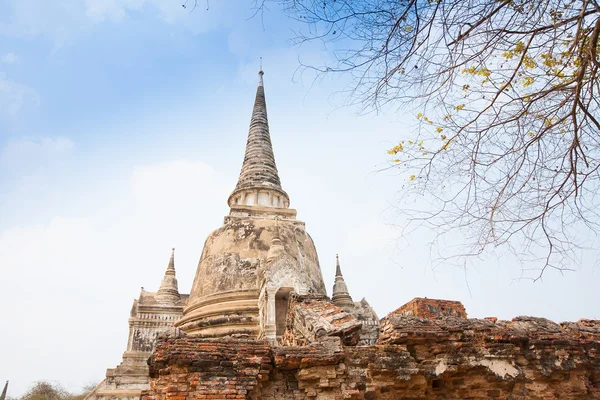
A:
[341,297]
[168,293]
[3,395]
[259,184]
[171,266]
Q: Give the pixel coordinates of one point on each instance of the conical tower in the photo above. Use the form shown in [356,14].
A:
[258,191]
[260,254]
[168,293]
[259,183]
[341,296]
[3,395]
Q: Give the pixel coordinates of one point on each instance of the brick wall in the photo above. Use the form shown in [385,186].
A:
[432,308]
[447,358]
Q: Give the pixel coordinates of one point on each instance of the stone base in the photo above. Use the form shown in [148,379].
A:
[223,314]
[125,382]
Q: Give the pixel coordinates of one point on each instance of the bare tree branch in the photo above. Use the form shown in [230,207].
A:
[507,146]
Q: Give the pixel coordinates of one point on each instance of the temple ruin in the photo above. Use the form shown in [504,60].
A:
[258,324]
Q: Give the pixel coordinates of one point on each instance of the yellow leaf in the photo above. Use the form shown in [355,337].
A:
[528,81]
[528,62]
[519,47]
[396,149]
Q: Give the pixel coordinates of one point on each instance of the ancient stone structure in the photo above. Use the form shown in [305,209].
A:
[260,255]
[258,324]
[340,296]
[361,310]
[3,395]
[152,314]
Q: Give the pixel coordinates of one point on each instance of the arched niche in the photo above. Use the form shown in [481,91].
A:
[282,300]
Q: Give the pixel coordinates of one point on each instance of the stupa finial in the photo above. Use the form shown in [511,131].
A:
[259,184]
[168,292]
[341,297]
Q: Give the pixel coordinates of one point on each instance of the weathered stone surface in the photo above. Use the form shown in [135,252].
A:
[262,253]
[340,295]
[447,358]
[584,328]
[168,292]
[232,272]
[207,368]
[432,308]
[3,395]
[312,318]
[365,314]
[361,310]
[259,182]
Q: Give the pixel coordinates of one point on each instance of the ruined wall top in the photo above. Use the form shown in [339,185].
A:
[431,308]
[449,358]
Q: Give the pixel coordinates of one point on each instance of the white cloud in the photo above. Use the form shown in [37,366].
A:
[10,58]
[113,10]
[60,20]
[174,186]
[13,96]
[197,21]
[55,19]
[34,149]
[27,249]
[46,269]
[83,272]
[32,178]
[179,202]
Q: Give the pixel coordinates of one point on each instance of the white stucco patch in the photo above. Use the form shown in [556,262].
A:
[441,368]
[499,367]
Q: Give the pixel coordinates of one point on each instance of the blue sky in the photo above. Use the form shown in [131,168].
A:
[122,131]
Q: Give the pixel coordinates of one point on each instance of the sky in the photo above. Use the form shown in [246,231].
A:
[122,133]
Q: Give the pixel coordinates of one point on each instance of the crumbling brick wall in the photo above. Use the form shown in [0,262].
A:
[447,358]
[432,308]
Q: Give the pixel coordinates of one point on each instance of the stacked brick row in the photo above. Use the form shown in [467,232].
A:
[432,308]
[448,358]
[207,369]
